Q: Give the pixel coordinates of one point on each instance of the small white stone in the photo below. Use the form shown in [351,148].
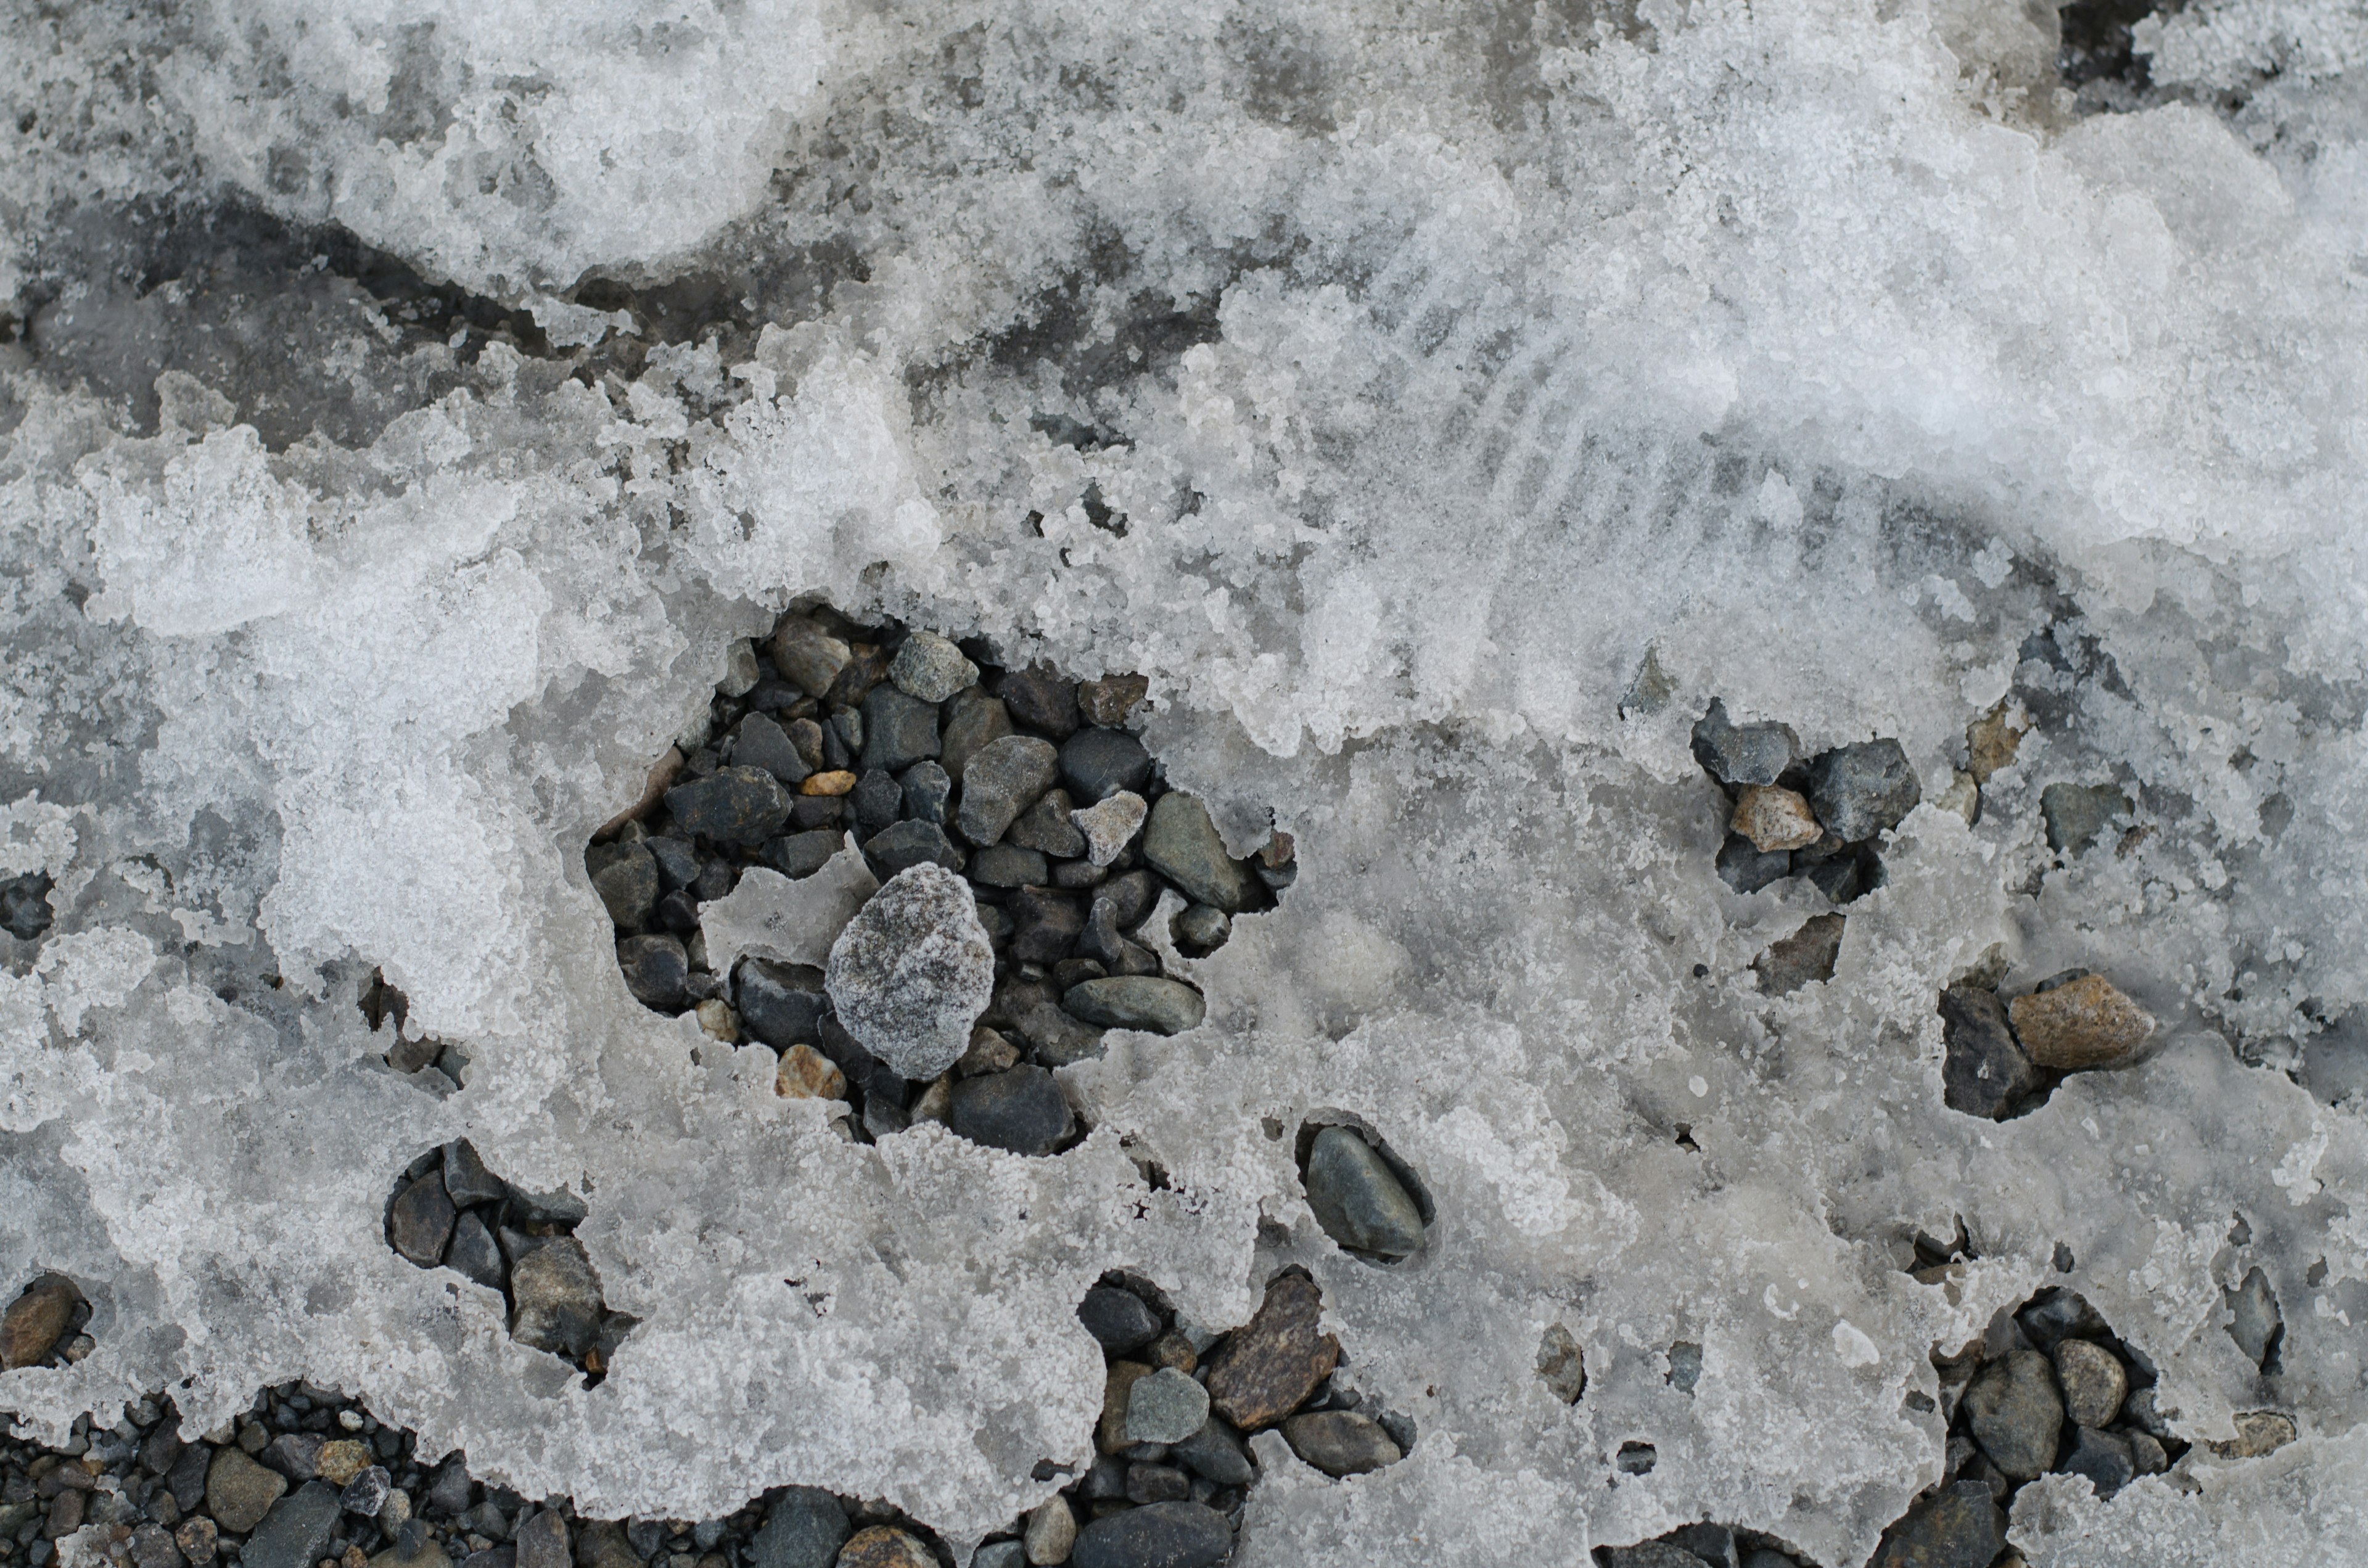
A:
[1110,825]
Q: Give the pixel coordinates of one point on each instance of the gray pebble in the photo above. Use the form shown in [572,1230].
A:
[1357,1198]
[1009,866]
[626,878]
[1166,1407]
[421,1221]
[1984,1072]
[2093,1379]
[1148,1002]
[1042,700]
[2076,817]
[780,1004]
[878,800]
[1046,826]
[1021,1111]
[2254,1321]
[930,668]
[1182,845]
[557,1296]
[1340,1442]
[972,720]
[1149,1483]
[2104,1458]
[1001,781]
[296,1531]
[2016,1413]
[1201,929]
[902,845]
[1216,1452]
[929,793]
[797,854]
[473,1254]
[1163,1535]
[1959,1525]
[466,1177]
[366,1492]
[734,805]
[910,974]
[760,742]
[1098,764]
[1859,791]
[1743,754]
[804,1528]
[1742,867]
[655,970]
[677,861]
[806,655]
[898,731]
[1000,1554]
[1117,1319]
[1044,924]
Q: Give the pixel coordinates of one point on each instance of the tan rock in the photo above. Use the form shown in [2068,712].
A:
[1116,1389]
[2081,1024]
[988,1053]
[30,1330]
[342,1460]
[1270,1366]
[1963,796]
[716,1016]
[1112,700]
[806,1073]
[1992,739]
[1052,1532]
[1775,819]
[239,1492]
[838,781]
[2259,1432]
[884,1546]
[936,1101]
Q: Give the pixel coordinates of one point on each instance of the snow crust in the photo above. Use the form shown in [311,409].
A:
[1444,366]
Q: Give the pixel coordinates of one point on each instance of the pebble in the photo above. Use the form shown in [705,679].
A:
[1859,791]
[1774,819]
[878,799]
[929,793]
[296,1455]
[2104,1458]
[2016,1414]
[808,741]
[2259,1432]
[366,1491]
[296,1531]
[1045,924]
[1130,897]
[2147,1455]
[1117,1319]
[2254,1320]
[1042,700]
[1020,1110]
[1963,797]
[1182,845]
[1009,866]
[804,1528]
[1051,1532]
[1991,742]
[1046,826]
[1651,1554]
[466,1179]
[25,910]
[1000,1554]
[898,731]
[542,1541]
[1149,1482]
[808,656]
[1032,1012]
[912,971]
[832,782]
[974,719]
[1357,1198]
[902,845]
[732,805]
[1743,754]
[1216,1452]
[1340,1442]
[34,1321]
[1808,954]
[2093,1379]
[1162,1535]
[718,1022]
[556,1298]
[1201,929]
[1271,1365]
[1098,764]
[1984,1072]
[420,1223]
[626,878]
[759,741]
[655,970]
[1118,1386]
[782,1005]
[2076,817]
[197,1539]
[2083,1024]
[800,855]
[930,668]
[884,1546]
[1108,828]
[1112,700]
[1746,869]
[1958,1525]
[1562,1365]
[1001,781]
[988,1053]
[1148,1002]
[1166,1407]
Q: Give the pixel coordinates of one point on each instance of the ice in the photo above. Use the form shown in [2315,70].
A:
[1396,395]
[772,916]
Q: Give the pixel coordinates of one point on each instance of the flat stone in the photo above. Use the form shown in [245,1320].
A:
[1044,924]
[1108,827]
[473,1254]
[420,1223]
[2259,1432]
[1045,828]
[1859,791]
[1020,1110]
[902,845]
[1098,764]
[557,1296]
[1052,1532]
[1182,845]
[1001,781]
[1216,1452]
[2016,1413]
[626,878]
[1009,866]
[1146,1002]
[656,968]
[1357,1198]
[884,1546]
[1340,1442]
[930,668]
[1743,754]
[466,1179]
[1166,1407]
[912,971]
[804,1527]
[2076,816]
[36,1319]
[974,719]
[1119,1320]
[2086,1024]
[1958,1525]
[1271,1365]
[239,1492]
[808,656]
[1042,700]
[1984,1072]
[1774,818]
[1745,868]
[1147,1483]
[2093,1379]
[1112,700]
[296,1531]
[1161,1535]
[898,731]
[927,793]
[732,805]
[1808,954]
[759,741]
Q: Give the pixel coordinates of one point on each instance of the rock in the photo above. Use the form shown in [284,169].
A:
[1963,797]
[1051,1532]
[805,1074]
[884,1546]
[473,1254]
[420,1223]
[1137,1002]
[732,805]
[1991,742]
[1098,764]
[1746,869]
[542,1541]
[936,1103]
[366,1491]
[1270,1366]
[152,1547]
[1130,897]
[1357,1198]
[804,1527]
[466,1179]
[1807,955]
[411,1550]
[1117,1319]
[1340,1442]
[187,1480]
[808,656]
[296,1531]
[2087,1023]
[1009,866]
[1000,1554]
[2056,1314]
[1216,1452]
[973,720]
[2259,1432]
[36,1319]
[759,741]
[1766,1557]
[1021,1111]
[814,749]
[2102,1456]
[1044,924]
[296,1455]
[602,1544]
[1045,828]
[2147,1455]
[927,793]
[2138,1410]
[878,799]
[835,781]
[1042,700]
[2254,1321]
[1959,1525]
[1562,1364]
[1859,791]
[1118,1387]
[903,845]
[1108,828]
[557,1299]
[717,1021]
[2093,1379]
[239,1490]
[656,970]
[1156,1483]
[1984,1072]
[2075,815]
[782,1005]
[988,1053]
[196,1538]
[1651,1554]
[1112,700]
[1166,1407]
[2015,1413]
[1743,754]
[1201,929]
[25,910]
[1182,845]
[930,668]
[801,855]
[898,731]
[626,878]
[1774,819]
[1002,780]
[912,971]
[1162,1535]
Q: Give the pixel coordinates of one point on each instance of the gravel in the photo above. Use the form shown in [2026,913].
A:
[1042,700]
[1984,1071]
[1166,1407]
[1743,868]
[1217,1453]
[2093,1379]
[2077,816]
[912,971]
[759,741]
[1859,791]
[974,719]
[2084,1023]
[1358,1199]
[626,878]
[927,791]
[656,968]
[1112,700]
[1052,1532]
[1163,1535]
[296,1531]
[804,1527]
[420,1223]
[1270,1366]
[239,1492]
[1117,1319]
[780,1004]
[903,845]
[1098,764]
[808,656]
[1807,955]
[898,731]
[1774,819]
[1743,754]
[1182,845]
[2103,1457]
[557,1299]
[1108,827]
[732,805]
[36,1320]
[1001,781]
[2015,1413]
[1956,1526]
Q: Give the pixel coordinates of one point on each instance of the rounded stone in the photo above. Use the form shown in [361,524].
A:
[1160,1535]
[1098,764]
[1182,845]
[1340,1442]
[912,971]
[1774,819]
[239,1492]
[2016,1413]
[2094,1382]
[1148,1002]
[1052,1532]
[1357,1198]
[36,1319]
[2085,1023]
[804,1528]
[1202,928]
[420,1223]
[1002,780]
[930,668]
[1166,1407]
[1119,1320]
[1021,1111]
[884,1546]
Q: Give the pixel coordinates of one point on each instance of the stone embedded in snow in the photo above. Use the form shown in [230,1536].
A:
[1149,1001]
[1183,846]
[2083,1023]
[2016,1413]
[1743,754]
[930,668]
[1984,1072]
[1110,825]
[1774,819]
[557,1296]
[911,971]
[787,920]
[1357,1198]
[1340,1442]
[807,655]
[1859,791]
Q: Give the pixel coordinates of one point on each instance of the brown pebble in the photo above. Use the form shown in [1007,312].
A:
[988,1053]
[1775,819]
[1271,1365]
[806,1073]
[342,1460]
[838,781]
[2259,1432]
[1172,1350]
[717,1019]
[884,1546]
[1991,742]
[30,1329]
[2082,1024]
[1807,954]
[1111,699]
[196,1537]
[1118,1387]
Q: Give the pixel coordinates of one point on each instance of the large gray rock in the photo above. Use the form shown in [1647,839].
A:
[558,1301]
[732,805]
[1357,1198]
[912,971]
[1004,779]
[296,1531]
[2016,1413]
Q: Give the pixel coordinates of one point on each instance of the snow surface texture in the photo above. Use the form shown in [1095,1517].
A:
[1384,382]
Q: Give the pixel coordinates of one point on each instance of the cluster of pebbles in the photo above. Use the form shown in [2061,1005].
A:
[448,1211]
[1794,816]
[1029,792]
[2005,1057]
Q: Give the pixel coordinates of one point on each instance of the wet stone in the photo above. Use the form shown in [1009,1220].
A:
[1161,1535]
[1046,827]
[1743,754]
[911,971]
[1166,1407]
[1984,1072]
[760,742]
[1098,764]
[1042,700]
[1004,779]
[1146,1002]
[927,793]
[1021,1111]
[2016,1414]
[2104,1458]
[2147,1455]
[2076,817]
[1270,1366]
[1774,819]
[2093,1379]
[898,731]
[732,805]
[1117,1319]
[2087,1023]
[1958,1525]
[902,845]
[626,878]
[36,1319]
[1340,1442]
[239,1492]
[656,968]
[557,1297]
[1118,1386]
[1859,791]
[1807,955]
[930,668]
[420,1223]
[542,1541]
[1182,845]
[1744,869]
[804,1527]
[1358,1199]
[808,656]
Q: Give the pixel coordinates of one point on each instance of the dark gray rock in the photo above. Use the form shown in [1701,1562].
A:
[2057,1314]
[2016,1414]
[1340,1442]
[1001,781]
[2076,817]
[972,720]
[902,845]
[1742,867]
[626,878]
[1098,764]
[1713,1544]
[1743,754]
[1131,897]
[878,800]
[732,805]
[1156,1482]
[1357,1198]
[1044,924]
[796,855]
[365,1495]
[187,1480]
[808,656]
[929,793]
[813,747]
[1984,1072]
[25,910]
[1216,1452]
[1182,845]
[473,1254]
[677,861]
[804,1528]
[557,1296]
[898,731]
[930,668]
[1042,700]
[152,1547]
[780,1004]
[2104,1457]
[812,813]
[1162,1535]
[1137,1002]
[467,1179]
[655,969]
[1117,1319]
[1046,827]
[296,1455]
[1034,1013]
[1651,1554]
[1009,866]
[1021,1111]
[1859,791]
[420,1223]
[542,1541]
[296,1532]
[760,742]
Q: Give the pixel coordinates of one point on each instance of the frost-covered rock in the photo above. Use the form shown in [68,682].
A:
[911,971]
